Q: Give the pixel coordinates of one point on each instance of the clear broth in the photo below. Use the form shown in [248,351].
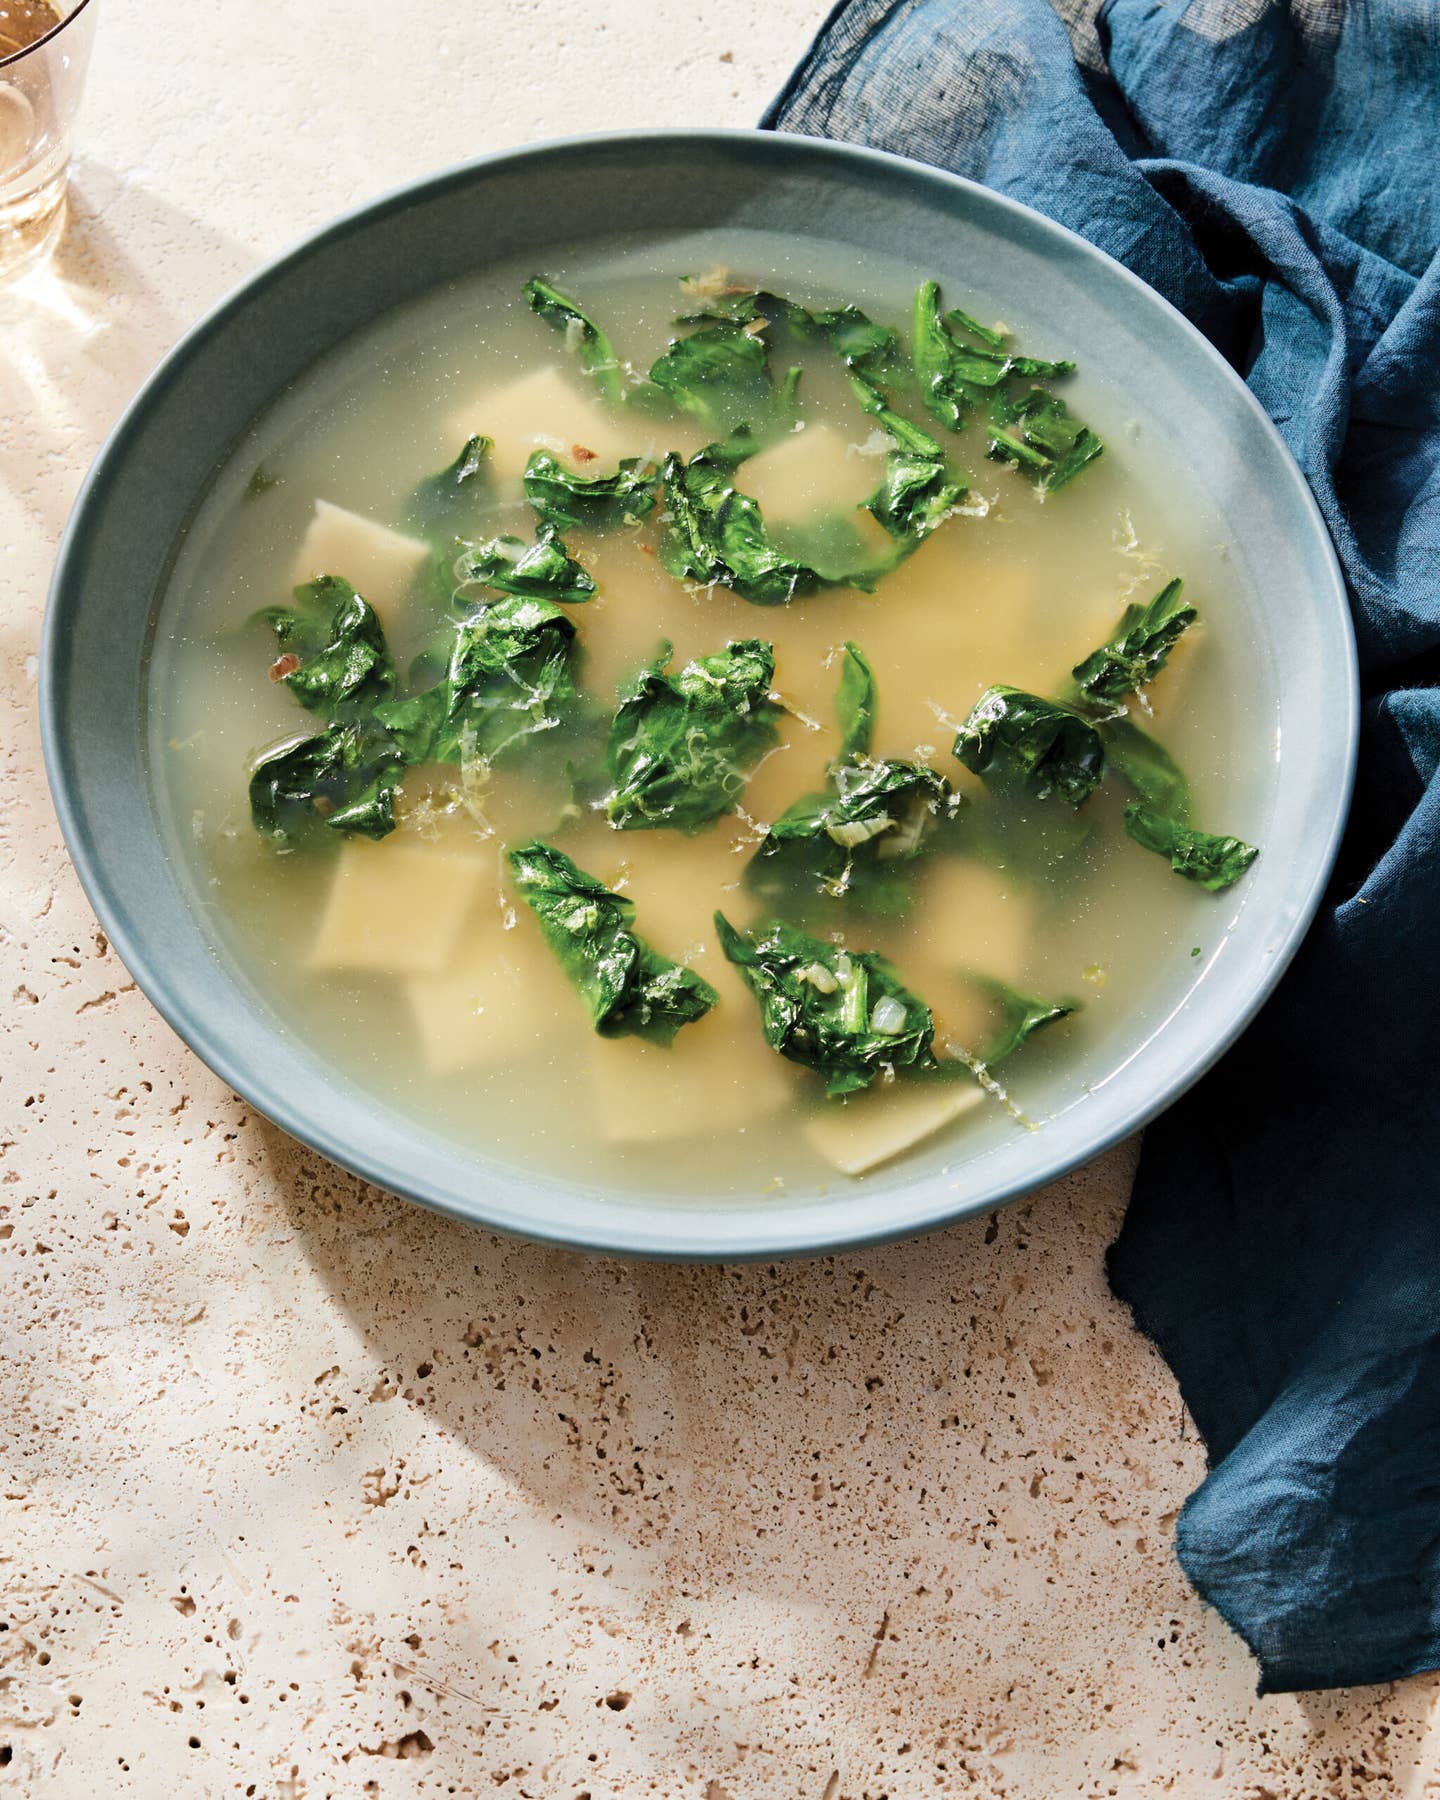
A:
[492,1050]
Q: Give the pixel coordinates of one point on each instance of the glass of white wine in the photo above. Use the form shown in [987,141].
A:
[44,52]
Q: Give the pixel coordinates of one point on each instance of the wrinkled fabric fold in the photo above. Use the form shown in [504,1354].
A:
[1269,169]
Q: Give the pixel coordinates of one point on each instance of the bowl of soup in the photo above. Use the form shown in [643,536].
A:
[700,694]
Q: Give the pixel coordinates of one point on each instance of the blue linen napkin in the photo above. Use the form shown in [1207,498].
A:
[1274,171]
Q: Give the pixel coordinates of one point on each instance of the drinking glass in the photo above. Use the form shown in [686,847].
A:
[44,51]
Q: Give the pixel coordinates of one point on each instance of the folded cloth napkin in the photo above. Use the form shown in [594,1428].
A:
[1274,170]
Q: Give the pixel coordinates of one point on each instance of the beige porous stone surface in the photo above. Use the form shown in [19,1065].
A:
[309,1493]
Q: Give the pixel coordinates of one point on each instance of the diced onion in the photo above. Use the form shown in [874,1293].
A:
[905,841]
[820,978]
[887,1016]
[849,834]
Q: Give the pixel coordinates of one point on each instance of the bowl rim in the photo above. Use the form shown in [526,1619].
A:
[608,1226]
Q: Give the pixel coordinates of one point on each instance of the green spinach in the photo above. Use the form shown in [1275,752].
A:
[963,367]
[1214,862]
[1037,435]
[343,779]
[945,391]
[582,335]
[959,362]
[786,414]
[713,296]
[509,678]
[566,500]
[1136,650]
[917,492]
[440,499]
[544,570]
[844,1013]
[720,375]
[681,747]
[333,657]
[856,702]
[629,988]
[262,479]
[716,535]
[852,841]
[1148,767]
[1032,742]
[856,339]
[1021,1016]
[862,345]
[1133,655]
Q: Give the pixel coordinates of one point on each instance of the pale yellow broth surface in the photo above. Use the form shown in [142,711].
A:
[409,965]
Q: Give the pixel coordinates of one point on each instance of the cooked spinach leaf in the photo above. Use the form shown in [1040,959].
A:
[917,492]
[1148,767]
[1132,656]
[985,335]
[1213,862]
[1021,1016]
[855,702]
[844,1013]
[262,479]
[962,366]
[716,534]
[582,335]
[946,393]
[440,499]
[861,344]
[852,841]
[987,361]
[343,779]
[681,747]
[503,675]
[787,400]
[959,362]
[565,500]
[714,296]
[1037,435]
[509,678]
[856,339]
[1136,650]
[544,570]
[333,657]
[915,496]
[629,988]
[1034,742]
[720,375]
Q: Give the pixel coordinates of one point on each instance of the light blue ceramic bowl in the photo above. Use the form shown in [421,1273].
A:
[554,197]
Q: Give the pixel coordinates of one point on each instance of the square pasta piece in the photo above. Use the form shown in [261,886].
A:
[547,410]
[817,470]
[865,1130]
[716,1076]
[976,919]
[379,564]
[396,908]
[503,997]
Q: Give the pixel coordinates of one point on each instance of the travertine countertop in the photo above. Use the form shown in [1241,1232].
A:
[309,1493]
